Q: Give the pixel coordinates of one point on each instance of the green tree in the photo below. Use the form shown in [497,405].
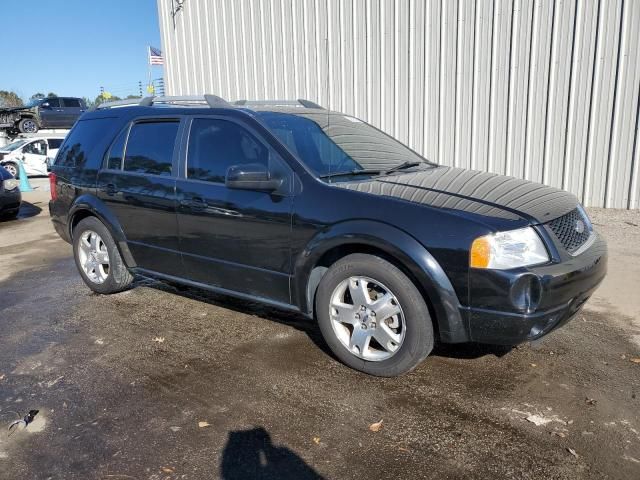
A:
[37,95]
[100,99]
[10,99]
[51,94]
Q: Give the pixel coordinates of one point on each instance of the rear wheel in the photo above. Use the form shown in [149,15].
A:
[98,259]
[373,317]
[28,125]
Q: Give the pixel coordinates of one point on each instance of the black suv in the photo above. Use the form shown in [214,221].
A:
[51,112]
[321,213]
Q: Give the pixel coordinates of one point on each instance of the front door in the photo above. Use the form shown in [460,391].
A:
[34,157]
[237,240]
[139,189]
[51,113]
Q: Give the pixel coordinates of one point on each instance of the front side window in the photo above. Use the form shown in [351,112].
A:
[215,145]
[53,102]
[39,147]
[150,147]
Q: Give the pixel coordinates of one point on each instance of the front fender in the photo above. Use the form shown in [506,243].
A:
[92,205]
[399,245]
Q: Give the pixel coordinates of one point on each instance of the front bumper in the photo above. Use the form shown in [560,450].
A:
[10,201]
[560,291]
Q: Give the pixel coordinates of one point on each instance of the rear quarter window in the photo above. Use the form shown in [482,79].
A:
[82,147]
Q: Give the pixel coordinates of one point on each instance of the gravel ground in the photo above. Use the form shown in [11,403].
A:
[163,383]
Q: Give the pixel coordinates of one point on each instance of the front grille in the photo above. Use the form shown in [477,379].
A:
[572,229]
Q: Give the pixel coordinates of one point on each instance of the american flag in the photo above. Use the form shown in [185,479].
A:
[155,56]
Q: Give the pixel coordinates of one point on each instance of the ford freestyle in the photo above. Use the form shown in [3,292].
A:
[320,213]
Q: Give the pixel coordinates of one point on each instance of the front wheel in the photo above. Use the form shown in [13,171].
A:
[98,259]
[28,125]
[373,317]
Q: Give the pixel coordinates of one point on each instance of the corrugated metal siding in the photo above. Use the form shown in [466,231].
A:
[539,89]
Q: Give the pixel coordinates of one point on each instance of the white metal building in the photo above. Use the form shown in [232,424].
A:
[539,89]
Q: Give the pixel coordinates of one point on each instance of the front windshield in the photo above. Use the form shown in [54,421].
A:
[335,143]
[34,102]
[13,146]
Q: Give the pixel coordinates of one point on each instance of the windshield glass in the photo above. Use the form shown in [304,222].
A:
[34,102]
[13,146]
[335,143]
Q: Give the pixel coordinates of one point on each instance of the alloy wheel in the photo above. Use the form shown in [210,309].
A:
[367,318]
[93,256]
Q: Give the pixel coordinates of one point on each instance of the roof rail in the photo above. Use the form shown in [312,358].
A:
[212,101]
[301,102]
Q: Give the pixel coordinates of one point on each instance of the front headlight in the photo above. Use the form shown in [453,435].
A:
[503,250]
[10,184]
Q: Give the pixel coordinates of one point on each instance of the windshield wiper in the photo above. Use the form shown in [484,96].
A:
[402,166]
[372,171]
[365,171]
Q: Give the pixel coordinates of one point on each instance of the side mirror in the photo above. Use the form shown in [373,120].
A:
[45,105]
[252,176]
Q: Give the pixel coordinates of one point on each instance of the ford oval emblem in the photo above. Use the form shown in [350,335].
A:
[579,226]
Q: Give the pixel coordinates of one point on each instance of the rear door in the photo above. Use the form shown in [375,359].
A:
[137,185]
[72,109]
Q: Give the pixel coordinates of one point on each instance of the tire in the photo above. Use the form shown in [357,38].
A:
[13,169]
[28,125]
[91,240]
[410,341]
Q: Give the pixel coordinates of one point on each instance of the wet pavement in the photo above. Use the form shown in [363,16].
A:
[164,383]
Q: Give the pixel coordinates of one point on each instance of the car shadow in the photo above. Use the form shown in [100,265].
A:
[252,454]
[469,350]
[28,209]
[300,322]
[291,319]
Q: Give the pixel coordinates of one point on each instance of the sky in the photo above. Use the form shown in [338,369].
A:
[73,47]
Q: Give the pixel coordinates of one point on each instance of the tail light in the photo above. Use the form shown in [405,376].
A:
[52,186]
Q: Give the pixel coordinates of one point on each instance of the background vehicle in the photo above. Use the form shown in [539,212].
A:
[10,196]
[33,151]
[318,212]
[52,112]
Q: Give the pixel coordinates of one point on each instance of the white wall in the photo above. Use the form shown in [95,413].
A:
[543,90]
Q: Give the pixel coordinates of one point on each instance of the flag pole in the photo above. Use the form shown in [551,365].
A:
[149,65]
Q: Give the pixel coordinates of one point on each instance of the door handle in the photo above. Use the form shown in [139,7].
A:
[110,189]
[195,203]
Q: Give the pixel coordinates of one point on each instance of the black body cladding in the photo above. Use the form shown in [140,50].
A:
[181,221]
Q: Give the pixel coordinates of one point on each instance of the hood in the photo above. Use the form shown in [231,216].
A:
[13,109]
[481,193]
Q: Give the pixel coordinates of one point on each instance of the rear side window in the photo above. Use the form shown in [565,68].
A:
[150,148]
[54,143]
[114,160]
[215,145]
[81,141]
[72,102]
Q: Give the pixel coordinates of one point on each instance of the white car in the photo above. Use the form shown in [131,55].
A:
[33,151]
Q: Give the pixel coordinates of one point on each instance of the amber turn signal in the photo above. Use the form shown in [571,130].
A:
[480,253]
